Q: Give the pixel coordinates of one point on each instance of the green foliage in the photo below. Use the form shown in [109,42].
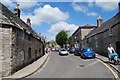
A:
[70,39]
[53,43]
[61,38]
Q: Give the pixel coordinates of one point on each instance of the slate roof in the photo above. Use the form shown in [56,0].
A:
[106,25]
[7,17]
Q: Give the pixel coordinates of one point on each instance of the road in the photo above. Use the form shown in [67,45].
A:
[72,66]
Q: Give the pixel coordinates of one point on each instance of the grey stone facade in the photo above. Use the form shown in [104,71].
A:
[79,35]
[19,44]
[108,32]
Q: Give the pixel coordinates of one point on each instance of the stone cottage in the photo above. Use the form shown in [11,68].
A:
[79,34]
[20,45]
[105,33]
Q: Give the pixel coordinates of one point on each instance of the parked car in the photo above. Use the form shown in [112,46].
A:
[57,49]
[88,53]
[72,50]
[78,51]
[53,49]
[63,51]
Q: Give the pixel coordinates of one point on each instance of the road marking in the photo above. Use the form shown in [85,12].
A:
[115,74]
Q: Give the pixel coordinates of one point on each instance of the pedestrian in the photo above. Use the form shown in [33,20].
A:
[46,50]
[49,50]
[110,51]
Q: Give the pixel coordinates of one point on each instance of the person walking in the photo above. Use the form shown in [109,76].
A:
[110,51]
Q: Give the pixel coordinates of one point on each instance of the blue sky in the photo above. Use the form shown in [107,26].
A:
[48,18]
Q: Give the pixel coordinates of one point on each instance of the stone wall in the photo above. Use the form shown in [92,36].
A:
[31,46]
[5,49]
[101,41]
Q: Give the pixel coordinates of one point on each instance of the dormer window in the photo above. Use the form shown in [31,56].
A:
[110,32]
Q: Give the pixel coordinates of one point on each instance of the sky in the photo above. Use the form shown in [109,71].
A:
[49,17]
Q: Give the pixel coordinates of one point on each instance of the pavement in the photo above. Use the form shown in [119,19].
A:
[30,69]
[105,60]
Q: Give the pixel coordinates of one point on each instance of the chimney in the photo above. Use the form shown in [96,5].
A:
[28,21]
[99,21]
[119,6]
[17,10]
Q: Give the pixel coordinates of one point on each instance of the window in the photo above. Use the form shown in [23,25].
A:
[96,37]
[105,34]
[96,44]
[35,53]
[20,35]
[90,39]
[22,55]
[40,50]
[29,37]
[110,32]
[29,53]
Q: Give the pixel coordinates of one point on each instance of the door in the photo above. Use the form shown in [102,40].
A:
[118,47]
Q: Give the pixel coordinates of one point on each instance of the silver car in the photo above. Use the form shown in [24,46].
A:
[63,51]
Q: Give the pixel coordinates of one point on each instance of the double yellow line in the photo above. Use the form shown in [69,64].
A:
[115,74]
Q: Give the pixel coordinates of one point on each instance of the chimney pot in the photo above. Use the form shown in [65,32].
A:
[99,21]
[17,10]
[28,22]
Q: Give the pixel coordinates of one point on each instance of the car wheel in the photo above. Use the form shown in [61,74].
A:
[94,57]
[82,57]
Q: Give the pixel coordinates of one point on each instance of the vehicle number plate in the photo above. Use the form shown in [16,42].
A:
[89,55]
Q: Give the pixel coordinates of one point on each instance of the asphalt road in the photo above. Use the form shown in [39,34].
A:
[72,67]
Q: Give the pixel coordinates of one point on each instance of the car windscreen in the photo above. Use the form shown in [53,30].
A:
[88,49]
[78,49]
[63,49]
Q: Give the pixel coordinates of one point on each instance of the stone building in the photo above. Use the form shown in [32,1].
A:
[105,33]
[20,45]
[79,34]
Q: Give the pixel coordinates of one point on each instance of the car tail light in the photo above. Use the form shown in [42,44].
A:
[93,51]
[84,52]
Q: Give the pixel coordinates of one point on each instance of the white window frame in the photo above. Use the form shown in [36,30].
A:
[96,44]
[110,32]
[22,55]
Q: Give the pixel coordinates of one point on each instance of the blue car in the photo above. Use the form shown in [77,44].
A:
[88,53]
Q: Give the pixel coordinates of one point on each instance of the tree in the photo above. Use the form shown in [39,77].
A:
[52,43]
[61,38]
[69,39]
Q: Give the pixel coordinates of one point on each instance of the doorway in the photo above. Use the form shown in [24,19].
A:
[118,47]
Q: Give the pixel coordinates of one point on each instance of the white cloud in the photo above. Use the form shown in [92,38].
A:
[62,26]
[107,5]
[23,3]
[84,9]
[7,2]
[92,14]
[96,0]
[79,8]
[27,4]
[46,14]
[90,4]
[106,0]
[50,38]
